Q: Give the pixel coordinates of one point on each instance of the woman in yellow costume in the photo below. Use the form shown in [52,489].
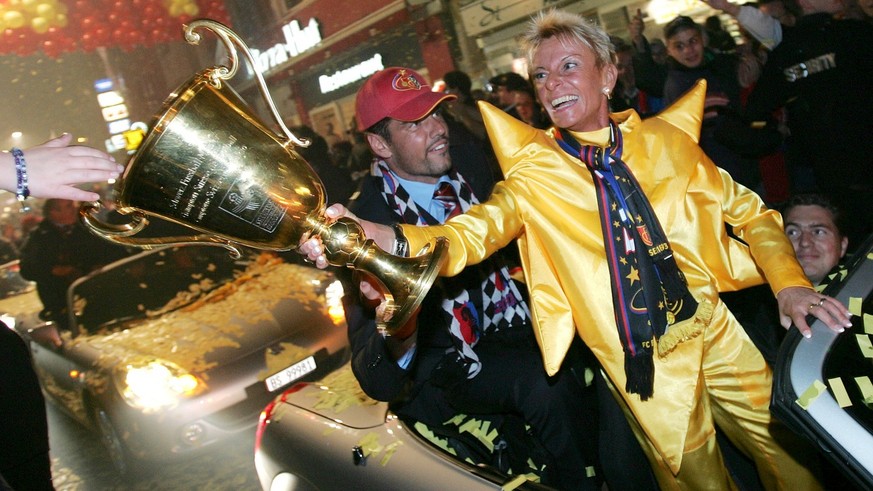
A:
[621,227]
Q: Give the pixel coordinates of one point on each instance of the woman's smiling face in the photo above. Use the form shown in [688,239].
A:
[571,86]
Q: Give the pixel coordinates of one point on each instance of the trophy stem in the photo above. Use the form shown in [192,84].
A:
[405,280]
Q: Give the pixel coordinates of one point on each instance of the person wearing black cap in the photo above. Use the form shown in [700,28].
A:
[471,348]
[504,87]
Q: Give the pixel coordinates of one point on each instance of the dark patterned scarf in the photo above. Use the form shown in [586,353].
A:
[502,303]
[649,291]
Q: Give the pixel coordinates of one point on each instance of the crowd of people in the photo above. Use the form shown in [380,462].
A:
[585,204]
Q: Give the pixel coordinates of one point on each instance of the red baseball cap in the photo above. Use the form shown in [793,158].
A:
[396,93]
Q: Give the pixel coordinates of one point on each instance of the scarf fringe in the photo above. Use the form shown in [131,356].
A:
[687,329]
[640,371]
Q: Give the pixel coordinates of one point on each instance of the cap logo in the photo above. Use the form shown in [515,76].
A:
[405,81]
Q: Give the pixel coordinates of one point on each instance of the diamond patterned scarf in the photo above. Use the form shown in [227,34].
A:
[502,304]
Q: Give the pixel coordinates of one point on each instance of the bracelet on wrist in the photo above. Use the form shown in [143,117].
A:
[21,190]
[401,245]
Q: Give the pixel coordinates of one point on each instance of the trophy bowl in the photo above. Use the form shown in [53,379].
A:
[209,163]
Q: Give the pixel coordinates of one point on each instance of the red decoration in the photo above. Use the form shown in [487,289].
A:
[61,26]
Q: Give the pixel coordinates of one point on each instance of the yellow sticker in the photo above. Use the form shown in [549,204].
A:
[811,394]
[865,345]
[855,305]
[868,323]
[839,391]
[866,388]
[514,483]
[870,256]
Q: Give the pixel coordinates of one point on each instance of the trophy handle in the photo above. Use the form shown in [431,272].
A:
[219,73]
[121,233]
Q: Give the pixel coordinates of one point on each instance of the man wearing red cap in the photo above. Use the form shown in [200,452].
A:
[471,348]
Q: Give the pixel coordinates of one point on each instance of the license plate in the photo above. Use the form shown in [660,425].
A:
[290,374]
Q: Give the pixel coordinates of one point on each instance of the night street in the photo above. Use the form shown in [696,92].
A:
[79,463]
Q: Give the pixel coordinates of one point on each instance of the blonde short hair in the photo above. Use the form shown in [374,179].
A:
[568,27]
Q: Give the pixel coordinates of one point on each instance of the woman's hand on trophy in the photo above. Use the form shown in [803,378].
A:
[312,247]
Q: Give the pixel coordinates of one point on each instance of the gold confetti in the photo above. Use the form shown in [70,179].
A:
[855,305]
[864,344]
[866,388]
[839,391]
[514,483]
[811,394]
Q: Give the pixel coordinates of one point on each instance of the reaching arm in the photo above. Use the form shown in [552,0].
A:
[53,168]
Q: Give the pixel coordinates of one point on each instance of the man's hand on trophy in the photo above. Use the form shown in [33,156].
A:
[312,248]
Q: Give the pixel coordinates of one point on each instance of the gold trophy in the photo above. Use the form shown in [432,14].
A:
[210,164]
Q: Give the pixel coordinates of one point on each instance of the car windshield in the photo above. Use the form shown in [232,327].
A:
[150,284]
[849,360]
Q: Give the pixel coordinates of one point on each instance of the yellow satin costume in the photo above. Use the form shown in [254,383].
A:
[704,370]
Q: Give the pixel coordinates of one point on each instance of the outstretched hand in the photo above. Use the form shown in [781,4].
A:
[796,302]
[54,167]
[312,248]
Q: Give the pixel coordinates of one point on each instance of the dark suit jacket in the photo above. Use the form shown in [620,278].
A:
[377,372]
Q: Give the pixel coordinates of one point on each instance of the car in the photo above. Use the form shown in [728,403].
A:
[822,385]
[18,296]
[328,434]
[173,350]
[11,282]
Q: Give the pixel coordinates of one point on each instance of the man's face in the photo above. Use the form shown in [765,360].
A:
[63,212]
[570,85]
[505,96]
[816,240]
[686,47]
[659,53]
[625,65]
[525,106]
[418,151]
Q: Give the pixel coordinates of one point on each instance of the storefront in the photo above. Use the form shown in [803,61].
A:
[497,24]
[318,56]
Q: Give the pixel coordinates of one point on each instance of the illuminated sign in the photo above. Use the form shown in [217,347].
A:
[341,78]
[124,135]
[297,41]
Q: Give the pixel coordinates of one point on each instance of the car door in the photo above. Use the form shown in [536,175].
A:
[823,386]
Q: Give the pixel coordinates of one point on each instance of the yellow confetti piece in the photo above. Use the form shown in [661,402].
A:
[855,305]
[839,391]
[589,471]
[870,255]
[866,388]
[514,483]
[868,323]
[389,452]
[426,432]
[469,426]
[811,394]
[865,345]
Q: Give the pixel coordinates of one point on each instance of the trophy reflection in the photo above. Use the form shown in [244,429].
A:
[210,164]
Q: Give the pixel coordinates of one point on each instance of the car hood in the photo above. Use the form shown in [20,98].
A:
[338,397]
[21,305]
[279,304]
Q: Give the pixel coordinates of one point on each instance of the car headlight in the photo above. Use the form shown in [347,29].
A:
[333,296]
[153,385]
